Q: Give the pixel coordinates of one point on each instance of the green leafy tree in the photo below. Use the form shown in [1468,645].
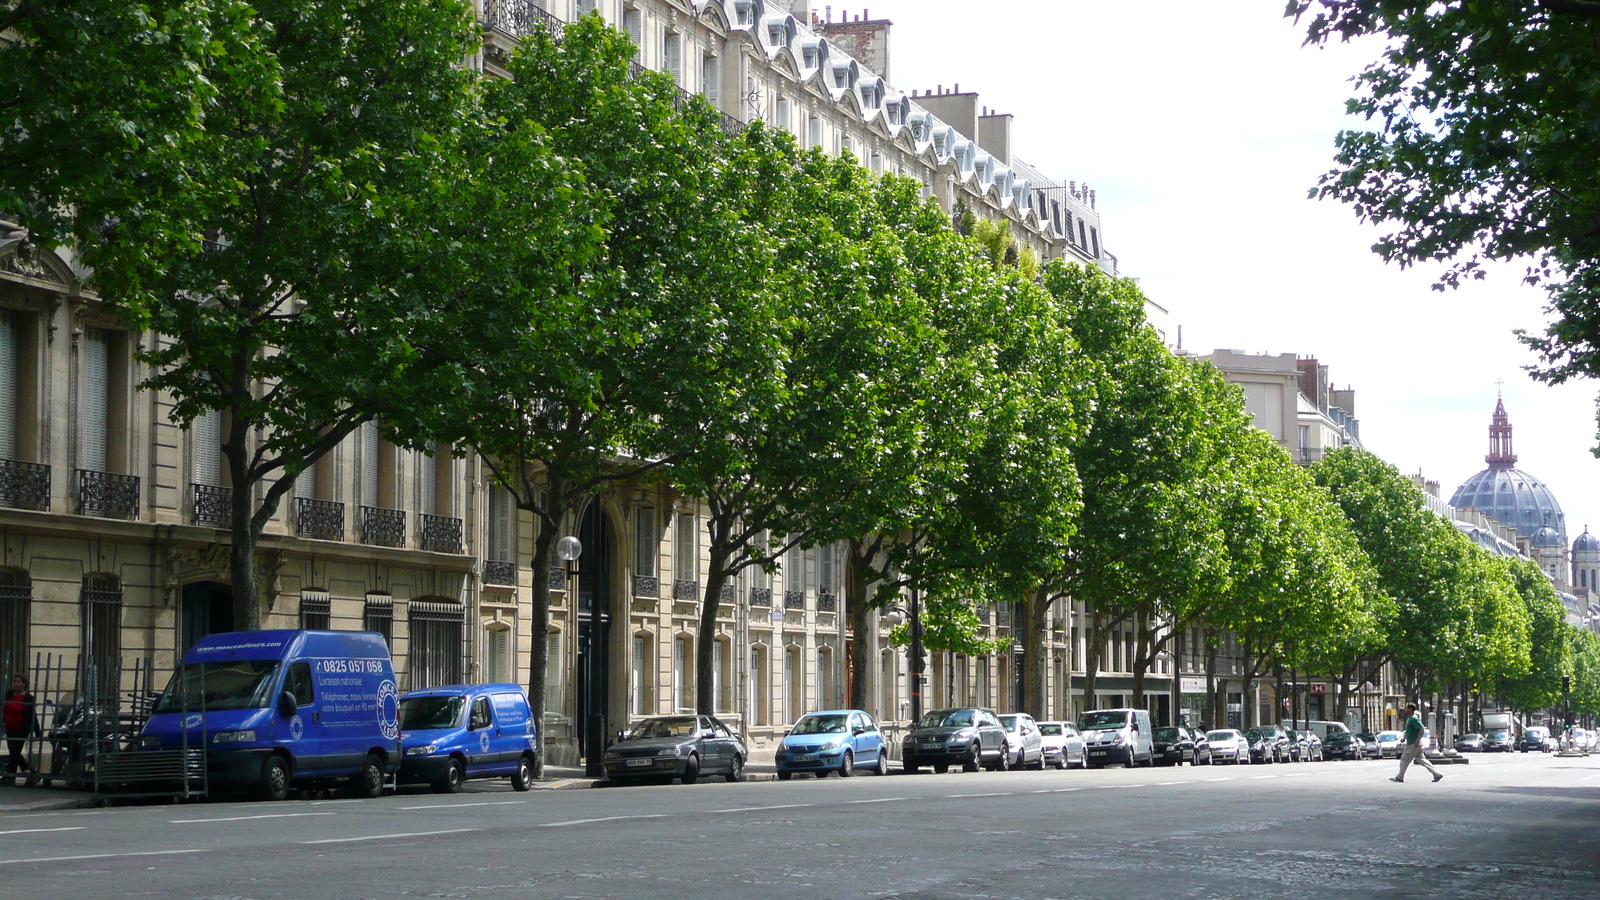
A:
[1482,128]
[256,191]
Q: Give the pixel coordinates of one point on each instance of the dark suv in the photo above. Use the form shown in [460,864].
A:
[968,737]
[1535,737]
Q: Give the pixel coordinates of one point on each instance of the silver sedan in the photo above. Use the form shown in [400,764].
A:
[1063,745]
[1228,744]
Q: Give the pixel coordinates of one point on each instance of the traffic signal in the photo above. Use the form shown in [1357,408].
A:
[1566,683]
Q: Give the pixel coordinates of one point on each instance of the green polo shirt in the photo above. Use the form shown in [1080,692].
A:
[1414,729]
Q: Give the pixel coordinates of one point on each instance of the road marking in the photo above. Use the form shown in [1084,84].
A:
[247,818]
[1215,780]
[39,830]
[879,800]
[602,819]
[1165,783]
[991,794]
[456,805]
[1587,777]
[1056,791]
[763,808]
[1259,777]
[51,859]
[385,837]
[1293,774]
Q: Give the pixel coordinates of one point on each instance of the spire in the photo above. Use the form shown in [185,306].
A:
[1500,452]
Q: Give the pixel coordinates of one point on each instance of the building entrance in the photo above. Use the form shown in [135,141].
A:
[207,609]
[594,630]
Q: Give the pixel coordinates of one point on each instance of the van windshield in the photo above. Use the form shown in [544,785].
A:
[204,687]
[418,713]
[1104,720]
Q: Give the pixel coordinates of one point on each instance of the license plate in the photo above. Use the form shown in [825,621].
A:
[634,763]
[1097,753]
[805,758]
[932,745]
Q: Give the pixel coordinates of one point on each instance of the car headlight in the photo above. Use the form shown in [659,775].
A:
[679,750]
[234,737]
[424,750]
[831,745]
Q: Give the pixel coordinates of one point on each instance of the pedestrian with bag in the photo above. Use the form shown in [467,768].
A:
[21,722]
[1413,748]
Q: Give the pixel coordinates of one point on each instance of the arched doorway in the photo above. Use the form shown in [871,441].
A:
[207,609]
[594,630]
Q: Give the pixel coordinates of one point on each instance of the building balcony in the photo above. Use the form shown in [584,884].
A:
[518,18]
[213,505]
[441,534]
[647,586]
[686,590]
[383,527]
[108,495]
[499,572]
[827,602]
[556,579]
[760,596]
[322,520]
[794,599]
[24,485]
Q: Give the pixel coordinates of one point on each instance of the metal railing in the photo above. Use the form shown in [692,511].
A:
[24,485]
[213,505]
[646,586]
[441,534]
[794,599]
[519,18]
[686,589]
[556,578]
[108,494]
[827,601]
[320,519]
[383,527]
[497,571]
[760,596]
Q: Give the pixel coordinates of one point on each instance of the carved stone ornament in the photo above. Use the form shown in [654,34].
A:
[28,261]
[183,563]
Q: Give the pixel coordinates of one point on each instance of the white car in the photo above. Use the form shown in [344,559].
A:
[1390,743]
[1062,745]
[1228,744]
[1023,741]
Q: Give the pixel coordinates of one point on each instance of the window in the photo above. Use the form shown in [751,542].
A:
[102,634]
[305,484]
[16,602]
[825,561]
[781,114]
[888,686]
[501,517]
[644,542]
[299,683]
[672,56]
[497,654]
[554,695]
[825,679]
[584,7]
[93,402]
[640,677]
[428,482]
[814,132]
[794,569]
[720,694]
[760,686]
[983,682]
[206,435]
[378,615]
[316,609]
[685,553]
[794,682]
[710,77]
[683,673]
[8,386]
[1094,240]
[633,24]
[436,635]
[962,695]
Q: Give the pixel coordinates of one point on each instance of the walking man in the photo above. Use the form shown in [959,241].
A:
[1413,749]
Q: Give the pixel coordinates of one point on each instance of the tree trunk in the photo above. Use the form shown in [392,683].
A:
[1214,705]
[855,602]
[1091,664]
[1140,664]
[1033,617]
[539,613]
[705,697]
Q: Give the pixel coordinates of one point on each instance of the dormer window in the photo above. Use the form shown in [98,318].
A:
[810,58]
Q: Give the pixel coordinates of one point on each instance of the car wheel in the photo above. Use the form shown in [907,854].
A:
[369,783]
[455,777]
[522,778]
[736,770]
[785,776]
[973,764]
[274,784]
[941,768]
[882,768]
[691,769]
[1003,763]
[1061,761]
[847,764]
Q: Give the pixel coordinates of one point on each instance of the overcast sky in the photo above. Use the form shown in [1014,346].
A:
[1201,127]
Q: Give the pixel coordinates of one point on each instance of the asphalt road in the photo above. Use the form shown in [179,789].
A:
[1502,826]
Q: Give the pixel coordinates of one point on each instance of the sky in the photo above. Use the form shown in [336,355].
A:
[1202,127]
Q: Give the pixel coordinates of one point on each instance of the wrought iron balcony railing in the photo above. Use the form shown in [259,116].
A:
[499,572]
[441,534]
[983,614]
[108,494]
[24,485]
[646,586]
[686,590]
[827,602]
[518,18]
[760,596]
[383,527]
[213,505]
[794,599]
[1002,615]
[319,519]
[557,578]
[728,594]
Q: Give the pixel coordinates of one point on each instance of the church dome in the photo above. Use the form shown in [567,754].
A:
[1586,542]
[1511,496]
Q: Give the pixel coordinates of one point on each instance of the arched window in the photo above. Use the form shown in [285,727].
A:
[16,602]
[761,685]
[102,634]
[436,641]
[962,693]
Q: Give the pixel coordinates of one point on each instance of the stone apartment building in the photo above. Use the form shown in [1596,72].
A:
[112,518]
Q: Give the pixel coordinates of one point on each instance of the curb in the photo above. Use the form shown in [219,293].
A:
[49,805]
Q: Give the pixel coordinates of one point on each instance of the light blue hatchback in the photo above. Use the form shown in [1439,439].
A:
[837,740]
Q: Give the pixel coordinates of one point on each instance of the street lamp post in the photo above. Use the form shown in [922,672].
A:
[569,549]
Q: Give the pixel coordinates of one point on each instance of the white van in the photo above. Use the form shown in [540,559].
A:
[1322,727]
[1117,736]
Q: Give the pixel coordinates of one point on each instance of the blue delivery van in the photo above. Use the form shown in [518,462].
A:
[451,734]
[275,709]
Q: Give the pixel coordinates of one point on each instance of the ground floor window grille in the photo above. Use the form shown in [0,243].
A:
[16,598]
[316,610]
[102,633]
[435,642]
[378,615]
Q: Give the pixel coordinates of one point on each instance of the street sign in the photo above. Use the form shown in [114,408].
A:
[1318,688]
[1191,684]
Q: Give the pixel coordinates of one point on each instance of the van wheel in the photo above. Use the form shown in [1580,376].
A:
[691,769]
[370,782]
[522,778]
[455,775]
[274,779]
[784,775]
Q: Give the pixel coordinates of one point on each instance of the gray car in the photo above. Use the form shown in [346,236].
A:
[968,737]
[1023,741]
[683,747]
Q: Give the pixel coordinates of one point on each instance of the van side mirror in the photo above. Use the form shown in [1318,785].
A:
[286,705]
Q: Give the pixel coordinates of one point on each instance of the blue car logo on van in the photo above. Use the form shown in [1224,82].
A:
[388,710]
[297,729]
[483,741]
[193,721]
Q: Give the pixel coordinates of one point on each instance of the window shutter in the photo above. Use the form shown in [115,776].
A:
[8,385]
[685,549]
[369,464]
[584,7]
[825,567]
[207,435]
[552,674]
[427,472]
[672,56]
[710,77]
[633,23]
[500,513]
[92,409]
[719,664]
[644,558]
[305,484]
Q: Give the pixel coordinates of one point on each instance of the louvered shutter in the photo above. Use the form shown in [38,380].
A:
[685,555]
[8,385]
[672,56]
[92,409]
[500,512]
[644,560]
[633,23]
[710,77]
[369,464]
[825,567]
[207,434]
[305,484]
[427,474]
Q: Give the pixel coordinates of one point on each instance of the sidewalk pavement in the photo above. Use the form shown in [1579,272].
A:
[22,799]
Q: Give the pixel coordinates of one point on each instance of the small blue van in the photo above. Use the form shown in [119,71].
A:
[451,734]
[275,709]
